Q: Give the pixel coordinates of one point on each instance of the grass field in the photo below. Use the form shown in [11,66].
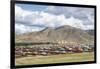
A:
[65,58]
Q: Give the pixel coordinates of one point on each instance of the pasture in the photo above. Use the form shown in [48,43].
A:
[61,58]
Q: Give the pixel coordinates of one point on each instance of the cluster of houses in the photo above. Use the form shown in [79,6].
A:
[45,50]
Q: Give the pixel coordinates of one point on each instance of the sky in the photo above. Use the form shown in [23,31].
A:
[29,18]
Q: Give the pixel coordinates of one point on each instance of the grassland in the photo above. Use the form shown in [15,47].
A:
[65,58]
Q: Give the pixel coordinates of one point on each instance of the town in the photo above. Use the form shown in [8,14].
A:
[51,49]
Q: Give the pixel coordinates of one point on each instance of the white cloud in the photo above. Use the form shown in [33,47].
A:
[20,28]
[83,14]
[27,21]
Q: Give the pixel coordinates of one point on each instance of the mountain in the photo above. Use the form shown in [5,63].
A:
[91,32]
[63,33]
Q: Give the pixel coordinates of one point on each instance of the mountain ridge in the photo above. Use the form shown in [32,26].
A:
[65,33]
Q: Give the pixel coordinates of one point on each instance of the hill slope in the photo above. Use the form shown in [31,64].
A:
[63,33]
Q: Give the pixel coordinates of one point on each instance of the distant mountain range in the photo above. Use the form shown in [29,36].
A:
[63,33]
[91,32]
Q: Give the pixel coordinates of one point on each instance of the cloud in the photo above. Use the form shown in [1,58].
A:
[27,21]
[20,28]
[80,13]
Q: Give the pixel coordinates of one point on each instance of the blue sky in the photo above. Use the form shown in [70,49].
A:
[30,18]
[31,7]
